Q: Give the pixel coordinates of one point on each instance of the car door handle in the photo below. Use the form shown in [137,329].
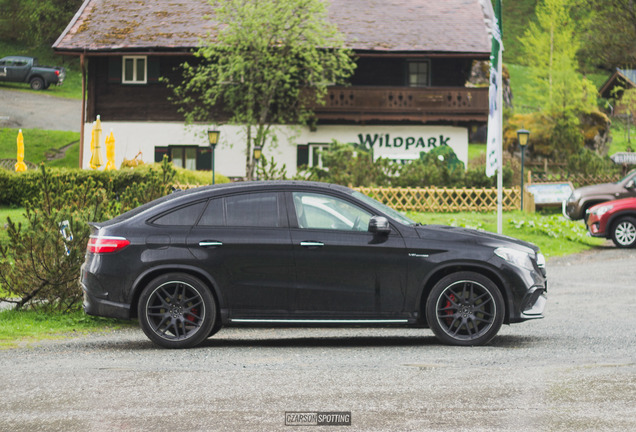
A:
[311,244]
[209,243]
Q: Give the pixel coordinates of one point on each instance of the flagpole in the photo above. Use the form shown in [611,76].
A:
[500,144]
[494,145]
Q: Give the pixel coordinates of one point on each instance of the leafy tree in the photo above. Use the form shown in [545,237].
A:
[554,84]
[36,22]
[259,65]
[607,30]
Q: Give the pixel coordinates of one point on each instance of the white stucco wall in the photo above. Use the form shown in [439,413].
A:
[396,142]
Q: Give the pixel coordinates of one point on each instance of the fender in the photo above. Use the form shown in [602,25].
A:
[485,268]
[152,272]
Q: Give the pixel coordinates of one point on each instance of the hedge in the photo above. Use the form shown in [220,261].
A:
[18,188]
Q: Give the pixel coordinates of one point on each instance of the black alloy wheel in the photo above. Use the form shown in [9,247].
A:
[624,232]
[177,310]
[465,308]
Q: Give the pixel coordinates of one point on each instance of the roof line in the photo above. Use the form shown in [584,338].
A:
[72,23]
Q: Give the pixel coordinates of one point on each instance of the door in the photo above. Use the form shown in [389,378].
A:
[243,241]
[17,70]
[342,270]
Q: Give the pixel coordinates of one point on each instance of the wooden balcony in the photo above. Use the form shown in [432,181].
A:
[431,104]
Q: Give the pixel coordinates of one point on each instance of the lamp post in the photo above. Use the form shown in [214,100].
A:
[213,139]
[522,137]
[258,152]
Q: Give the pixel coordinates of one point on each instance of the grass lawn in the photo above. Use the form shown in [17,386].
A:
[554,234]
[18,328]
[39,144]
[621,138]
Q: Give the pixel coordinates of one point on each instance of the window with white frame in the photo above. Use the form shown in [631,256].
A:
[315,155]
[419,73]
[135,70]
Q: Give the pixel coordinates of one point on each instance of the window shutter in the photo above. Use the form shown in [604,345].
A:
[154,70]
[114,69]
[302,155]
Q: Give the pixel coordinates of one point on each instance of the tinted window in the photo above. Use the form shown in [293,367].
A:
[184,216]
[213,214]
[253,210]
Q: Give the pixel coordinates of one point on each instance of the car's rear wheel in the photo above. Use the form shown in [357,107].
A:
[465,308]
[37,83]
[624,232]
[177,310]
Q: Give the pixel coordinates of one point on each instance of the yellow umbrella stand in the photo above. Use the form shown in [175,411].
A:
[20,165]
[110,152]
[96,135]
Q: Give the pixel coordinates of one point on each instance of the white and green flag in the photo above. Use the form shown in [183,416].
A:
[494,142]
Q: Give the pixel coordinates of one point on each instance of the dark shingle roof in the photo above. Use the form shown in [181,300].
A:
[368,25]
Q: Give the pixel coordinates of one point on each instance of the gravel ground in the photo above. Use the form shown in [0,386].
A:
[29,110]
[573,371]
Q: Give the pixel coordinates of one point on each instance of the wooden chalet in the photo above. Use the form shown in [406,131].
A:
[414,59]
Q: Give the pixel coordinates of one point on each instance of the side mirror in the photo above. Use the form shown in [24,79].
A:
[631,184]
[379,225]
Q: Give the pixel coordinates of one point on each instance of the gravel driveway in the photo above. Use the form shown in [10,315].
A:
[573,371]
[30,110]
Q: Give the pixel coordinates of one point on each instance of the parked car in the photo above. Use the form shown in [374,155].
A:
[27,70]
[291,253]
[576,206]
[616,220]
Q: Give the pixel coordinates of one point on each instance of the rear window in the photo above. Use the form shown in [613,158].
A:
[184,216]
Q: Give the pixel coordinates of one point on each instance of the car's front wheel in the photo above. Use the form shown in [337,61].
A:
[176,310]
[624,232]
[465,308]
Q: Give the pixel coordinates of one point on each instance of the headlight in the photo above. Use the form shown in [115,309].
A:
[540,260]
[516,257]
[600,211]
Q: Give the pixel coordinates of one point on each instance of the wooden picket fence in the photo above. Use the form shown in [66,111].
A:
[447,200]
[433,199]
[577,180]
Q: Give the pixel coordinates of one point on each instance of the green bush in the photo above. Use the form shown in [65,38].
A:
[16,189]
[39,267]
[348,165]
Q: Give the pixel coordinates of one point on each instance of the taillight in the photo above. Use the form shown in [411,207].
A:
[106,244]
[57,72]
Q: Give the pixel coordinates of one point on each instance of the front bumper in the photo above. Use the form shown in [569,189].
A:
[533,303]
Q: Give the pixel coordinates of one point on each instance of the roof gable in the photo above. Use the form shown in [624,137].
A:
[368,25]
[621,77]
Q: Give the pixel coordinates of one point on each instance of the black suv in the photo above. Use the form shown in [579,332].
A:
[303,254]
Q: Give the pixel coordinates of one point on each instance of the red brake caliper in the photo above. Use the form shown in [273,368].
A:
[448,312]
[192,318]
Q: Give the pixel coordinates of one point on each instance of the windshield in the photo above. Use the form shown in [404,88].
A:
[631,174]
[399,217]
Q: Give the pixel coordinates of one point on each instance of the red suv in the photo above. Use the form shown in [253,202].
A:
[615,220]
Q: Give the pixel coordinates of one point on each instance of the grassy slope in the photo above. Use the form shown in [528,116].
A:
[554,234]
[39,143]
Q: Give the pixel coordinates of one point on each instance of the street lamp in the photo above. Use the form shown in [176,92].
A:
[213,139]
[522,137]
[258,152]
